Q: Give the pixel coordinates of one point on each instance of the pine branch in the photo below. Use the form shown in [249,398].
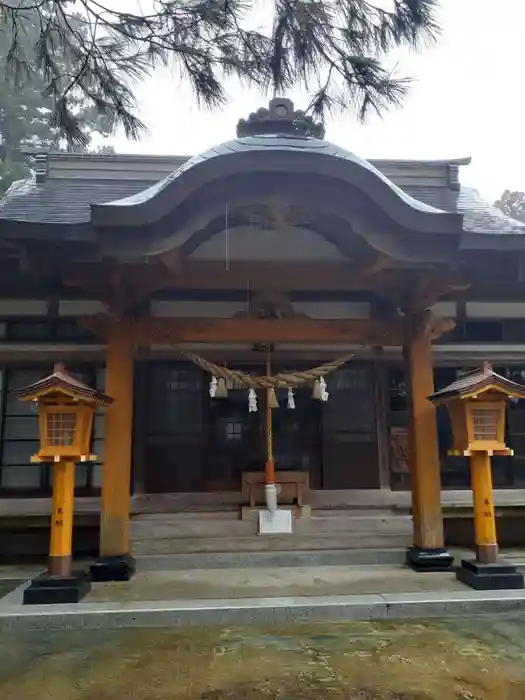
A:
[333,48]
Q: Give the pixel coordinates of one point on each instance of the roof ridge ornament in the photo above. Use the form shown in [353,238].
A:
[282,120]
[487,368]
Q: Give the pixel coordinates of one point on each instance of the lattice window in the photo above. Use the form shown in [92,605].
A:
[485,423]
[233,432]
[61,428]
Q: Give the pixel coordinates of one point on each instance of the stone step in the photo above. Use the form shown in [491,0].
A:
[253,543]
[174,527]
[246,560]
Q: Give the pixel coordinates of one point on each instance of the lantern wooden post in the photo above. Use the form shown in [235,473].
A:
[476,403]
[65,418]
[484,516]
[60,546]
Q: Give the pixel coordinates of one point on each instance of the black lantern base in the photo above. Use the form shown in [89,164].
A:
[421,559]
[120,568]
[489,577]
[50,590]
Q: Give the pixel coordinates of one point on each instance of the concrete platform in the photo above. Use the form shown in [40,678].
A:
[13,616]
[231,597]
[196,584]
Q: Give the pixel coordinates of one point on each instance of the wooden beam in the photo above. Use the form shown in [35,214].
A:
[125,288]
[193,274]
[148,330]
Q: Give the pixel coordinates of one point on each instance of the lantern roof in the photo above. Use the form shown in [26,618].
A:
[479,381]
[60,380]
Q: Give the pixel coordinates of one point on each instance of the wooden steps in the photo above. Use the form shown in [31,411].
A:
[271,559]
[224,531]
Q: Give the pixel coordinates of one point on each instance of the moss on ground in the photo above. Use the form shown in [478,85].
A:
[465,659]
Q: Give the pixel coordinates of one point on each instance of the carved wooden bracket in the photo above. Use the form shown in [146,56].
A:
[428,324]
[435,286]
[439,326]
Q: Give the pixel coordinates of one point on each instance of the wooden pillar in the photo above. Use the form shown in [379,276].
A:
[381,406]
[60,548]
[115,562]
[428,552]
[484,518]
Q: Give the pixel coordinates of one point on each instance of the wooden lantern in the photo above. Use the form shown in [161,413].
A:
[476,403]
[65,418]
[65,415]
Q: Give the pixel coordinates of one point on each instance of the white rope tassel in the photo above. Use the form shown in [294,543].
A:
[252,401]
[213,387]
[291,400]
[322,386]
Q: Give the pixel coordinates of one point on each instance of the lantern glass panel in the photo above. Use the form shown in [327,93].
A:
[61,428]
[485,422]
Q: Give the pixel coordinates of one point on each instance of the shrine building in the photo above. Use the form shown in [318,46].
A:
[276,252]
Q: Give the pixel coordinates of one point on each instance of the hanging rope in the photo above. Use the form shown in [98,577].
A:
[234,375]
[283,380]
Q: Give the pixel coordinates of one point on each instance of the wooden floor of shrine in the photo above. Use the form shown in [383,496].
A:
[168,525]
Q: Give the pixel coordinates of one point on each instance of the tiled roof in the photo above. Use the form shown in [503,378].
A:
[481,217]
[63,201]
[478,379]
[61,380]
[67,200]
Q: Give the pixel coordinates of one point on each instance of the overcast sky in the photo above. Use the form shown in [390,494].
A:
[467,100]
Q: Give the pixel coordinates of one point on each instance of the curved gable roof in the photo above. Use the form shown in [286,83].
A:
[267,153]
[73,195]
